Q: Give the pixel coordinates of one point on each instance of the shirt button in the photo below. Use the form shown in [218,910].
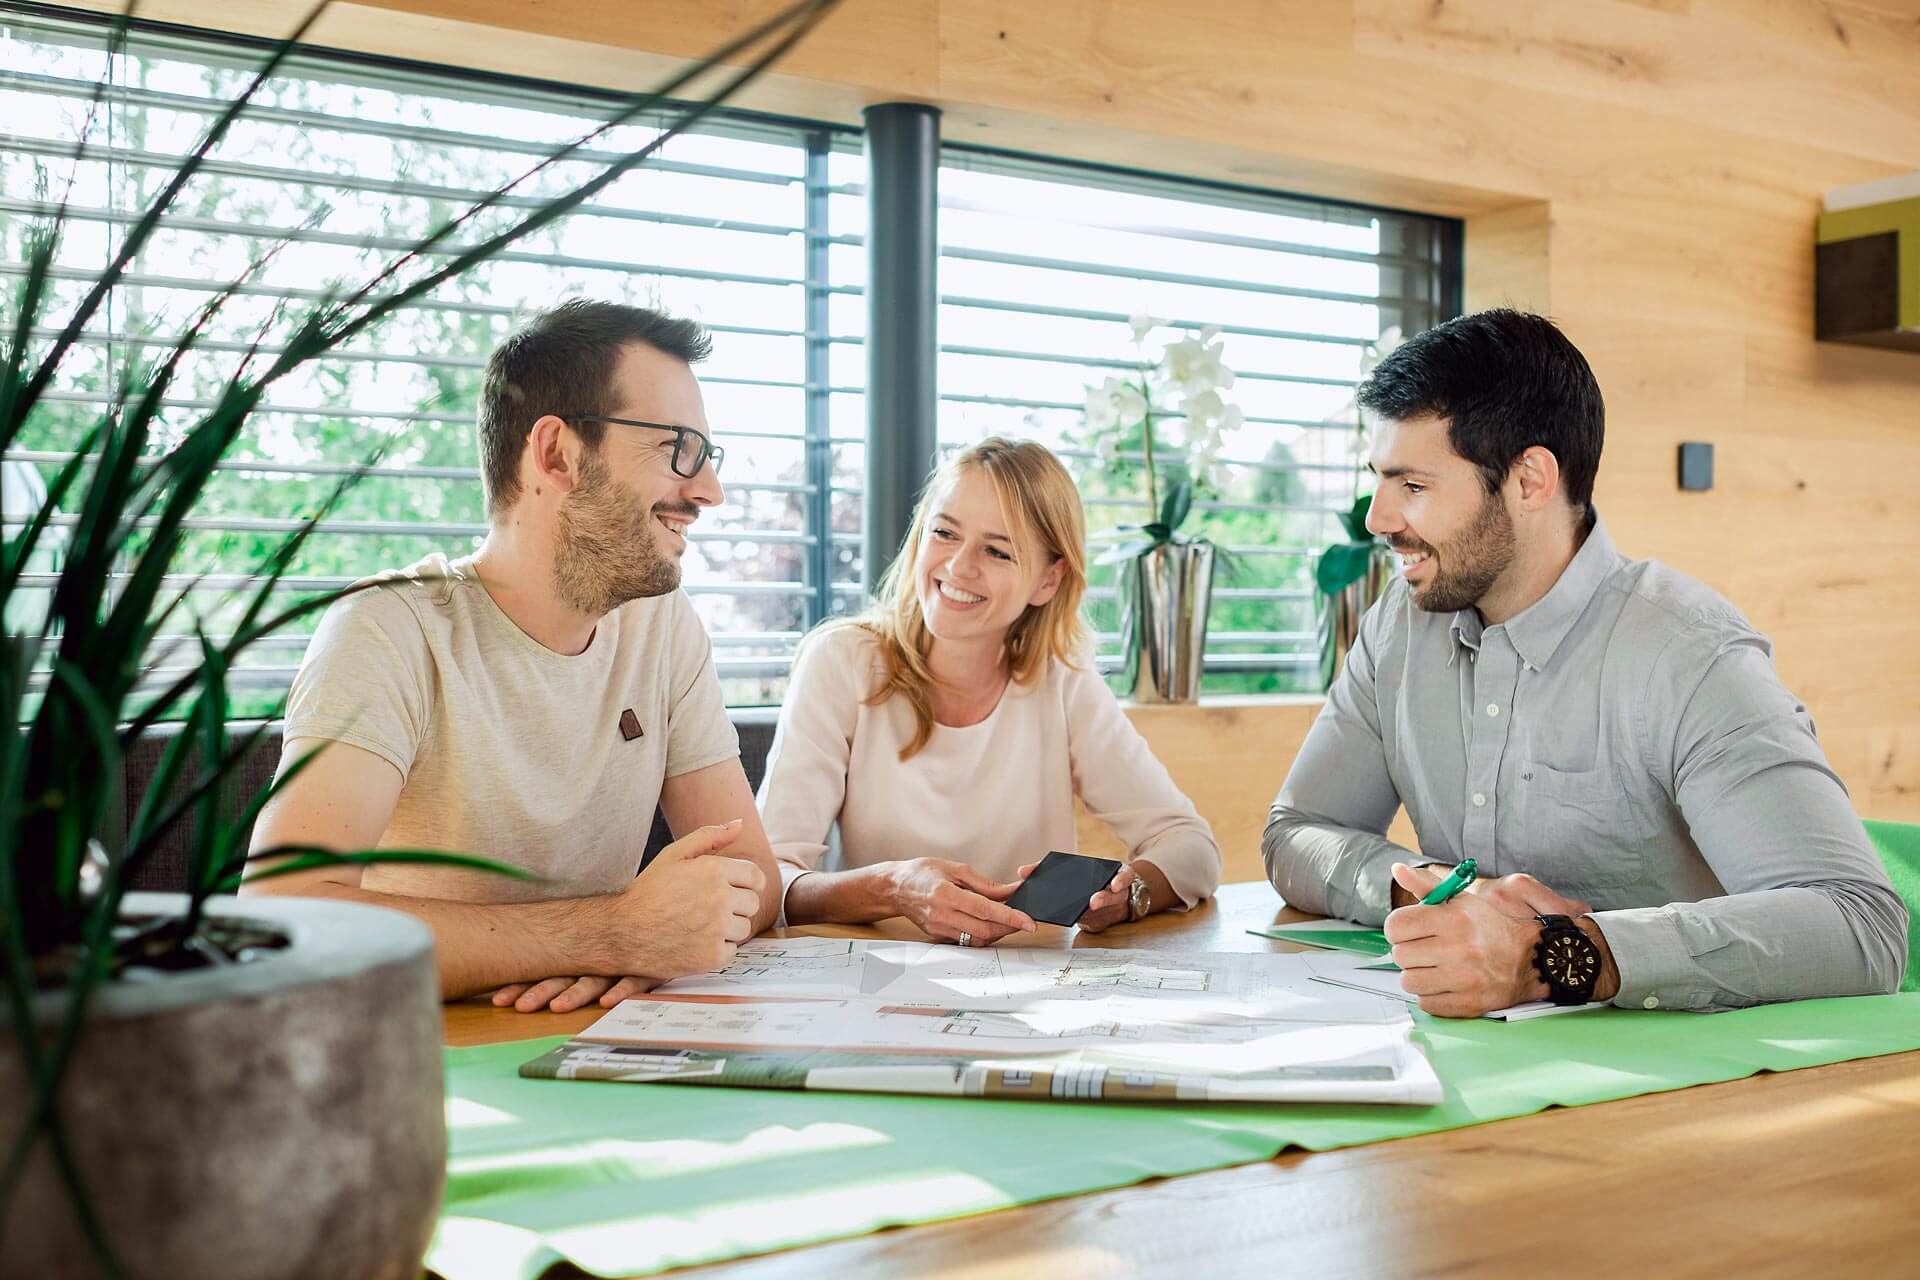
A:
[1651,1002]
[1493,708]
[1479,799]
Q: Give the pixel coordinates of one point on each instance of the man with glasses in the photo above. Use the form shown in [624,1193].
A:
[532,702]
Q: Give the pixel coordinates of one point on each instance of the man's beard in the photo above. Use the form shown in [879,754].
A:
[1473,561]
[606,551]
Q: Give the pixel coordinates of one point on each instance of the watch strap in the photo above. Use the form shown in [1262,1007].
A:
[1552,930]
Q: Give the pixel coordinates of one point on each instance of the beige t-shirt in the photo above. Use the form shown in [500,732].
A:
[510,750]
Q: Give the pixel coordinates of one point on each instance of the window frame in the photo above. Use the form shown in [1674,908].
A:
[821,595]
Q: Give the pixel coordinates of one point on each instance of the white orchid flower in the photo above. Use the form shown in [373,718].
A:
[1203,408]
[1379,349]
[1142,324]
[1359,447]
[1205,460]
[1112,404]
[1194,366]
[1223,376]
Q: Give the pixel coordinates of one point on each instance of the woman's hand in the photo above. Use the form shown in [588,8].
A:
[946,899]
[563,995]
[1107,907]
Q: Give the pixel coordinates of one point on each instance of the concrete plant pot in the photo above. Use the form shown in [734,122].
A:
[278,1118]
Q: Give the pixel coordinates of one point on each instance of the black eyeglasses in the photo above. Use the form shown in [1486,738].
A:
[690,449]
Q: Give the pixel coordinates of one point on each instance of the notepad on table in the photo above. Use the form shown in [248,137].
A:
[1333,935]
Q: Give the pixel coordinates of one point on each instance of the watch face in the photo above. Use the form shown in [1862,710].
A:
[1570,961]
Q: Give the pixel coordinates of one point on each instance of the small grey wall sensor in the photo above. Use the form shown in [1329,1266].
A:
[1696,466]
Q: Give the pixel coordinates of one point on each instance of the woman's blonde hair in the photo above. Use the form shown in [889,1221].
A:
[1041,506]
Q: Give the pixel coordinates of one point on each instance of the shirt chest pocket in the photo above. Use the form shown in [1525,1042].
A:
[1579,832]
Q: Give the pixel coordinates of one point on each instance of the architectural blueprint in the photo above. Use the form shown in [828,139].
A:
[1015,978]
[1093,1024]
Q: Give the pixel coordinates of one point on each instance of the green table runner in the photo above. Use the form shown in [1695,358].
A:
[624,1178]
[1898,844]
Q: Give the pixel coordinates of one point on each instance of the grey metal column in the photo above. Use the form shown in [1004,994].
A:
[819,326]
[903,252]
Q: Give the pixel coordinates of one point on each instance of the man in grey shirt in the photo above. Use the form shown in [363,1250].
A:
[1604,736]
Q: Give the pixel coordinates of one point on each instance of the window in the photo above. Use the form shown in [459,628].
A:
[1042,265]
[755,226]
[347,162]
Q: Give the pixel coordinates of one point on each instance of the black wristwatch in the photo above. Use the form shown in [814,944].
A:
[1566,960]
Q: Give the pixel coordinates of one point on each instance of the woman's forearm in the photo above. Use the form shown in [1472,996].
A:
[859,896]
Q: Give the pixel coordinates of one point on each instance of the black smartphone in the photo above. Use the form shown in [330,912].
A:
[1059,887]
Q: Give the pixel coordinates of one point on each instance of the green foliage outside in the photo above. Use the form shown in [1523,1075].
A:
[430,383]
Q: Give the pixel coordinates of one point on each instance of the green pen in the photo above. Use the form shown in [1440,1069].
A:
[1459,878]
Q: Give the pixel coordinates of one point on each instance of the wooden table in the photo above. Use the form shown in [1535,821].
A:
[1810,1174]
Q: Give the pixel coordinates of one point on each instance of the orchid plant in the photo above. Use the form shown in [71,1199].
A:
[1183,384]
[1345,563]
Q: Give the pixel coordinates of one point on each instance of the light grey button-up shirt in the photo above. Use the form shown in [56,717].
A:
[1624,740]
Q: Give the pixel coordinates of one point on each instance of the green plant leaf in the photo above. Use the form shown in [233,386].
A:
[1355,520]
[143,228]
[19,548]
[1173,512]
[307,857]
[101,623]
[1341,566]
[1125,551]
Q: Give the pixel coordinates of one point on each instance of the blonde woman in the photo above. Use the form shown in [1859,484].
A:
[947,733]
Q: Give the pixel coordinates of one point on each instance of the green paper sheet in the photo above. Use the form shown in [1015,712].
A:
[619,1179]
[1369,942]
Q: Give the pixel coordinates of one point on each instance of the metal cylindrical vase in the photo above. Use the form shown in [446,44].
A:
[1340,614]
[1169,590]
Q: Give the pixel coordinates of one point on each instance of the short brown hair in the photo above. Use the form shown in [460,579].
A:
[1505,381]
[561,362]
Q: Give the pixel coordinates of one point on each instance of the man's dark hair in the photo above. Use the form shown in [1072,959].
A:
[562,362]
[1505,381]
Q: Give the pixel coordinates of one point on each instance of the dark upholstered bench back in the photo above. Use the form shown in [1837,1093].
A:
[168,868]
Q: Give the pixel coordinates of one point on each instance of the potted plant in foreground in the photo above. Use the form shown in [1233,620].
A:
[193,1085]
[1166,583]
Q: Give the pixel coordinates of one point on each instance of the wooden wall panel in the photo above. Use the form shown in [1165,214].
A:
[1823,74]
[1647,172]
[1507,258]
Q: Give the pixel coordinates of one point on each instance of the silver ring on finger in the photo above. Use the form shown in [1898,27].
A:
[965,939]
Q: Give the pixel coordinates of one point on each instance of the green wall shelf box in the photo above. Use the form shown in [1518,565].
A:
[1867,272]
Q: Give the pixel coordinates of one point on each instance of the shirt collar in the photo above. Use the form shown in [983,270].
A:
[1538,630]
[1467,627]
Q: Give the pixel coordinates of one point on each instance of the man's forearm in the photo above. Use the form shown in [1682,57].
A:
[1793,943]
[1328,869]
[481,946]
[768,913]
